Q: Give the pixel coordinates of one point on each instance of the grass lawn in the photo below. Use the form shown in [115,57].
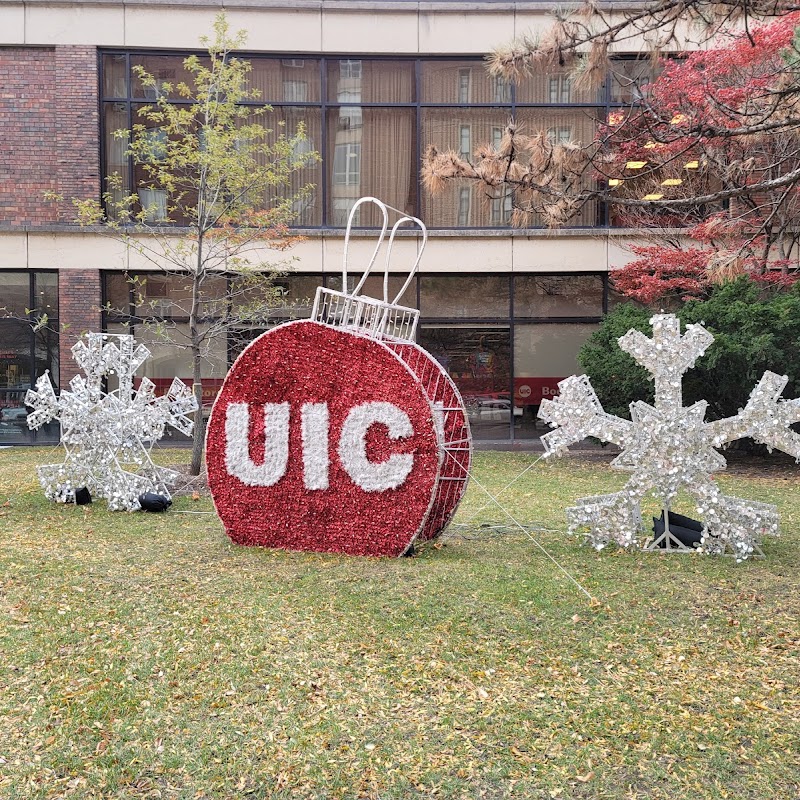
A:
[144,656]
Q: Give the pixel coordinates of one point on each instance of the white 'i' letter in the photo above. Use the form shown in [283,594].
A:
[314,426]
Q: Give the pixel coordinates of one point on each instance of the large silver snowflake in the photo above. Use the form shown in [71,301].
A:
[108,436]
[671,446]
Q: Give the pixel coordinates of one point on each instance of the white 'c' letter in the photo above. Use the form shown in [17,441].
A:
[276,444]
[388,474]
[314,428]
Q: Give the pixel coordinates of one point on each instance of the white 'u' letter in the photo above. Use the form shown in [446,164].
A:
[276,444]
[388,474]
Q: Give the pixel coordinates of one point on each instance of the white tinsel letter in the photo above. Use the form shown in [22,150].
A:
[388,474]
[276,444]
[314,426]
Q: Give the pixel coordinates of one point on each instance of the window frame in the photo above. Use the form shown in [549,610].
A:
[506,99]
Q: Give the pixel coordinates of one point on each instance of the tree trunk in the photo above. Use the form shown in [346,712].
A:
[198,437]
[199,433]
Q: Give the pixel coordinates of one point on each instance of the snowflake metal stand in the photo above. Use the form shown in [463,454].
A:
[669,446]
[108,435]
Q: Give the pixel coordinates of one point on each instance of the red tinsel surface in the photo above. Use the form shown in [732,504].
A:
[305,362]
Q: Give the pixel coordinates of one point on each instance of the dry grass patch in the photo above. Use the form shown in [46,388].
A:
[145,656]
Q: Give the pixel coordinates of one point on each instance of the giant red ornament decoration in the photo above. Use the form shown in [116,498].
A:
[339,433]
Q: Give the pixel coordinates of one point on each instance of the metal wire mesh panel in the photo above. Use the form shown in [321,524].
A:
[374,318]
[454,430]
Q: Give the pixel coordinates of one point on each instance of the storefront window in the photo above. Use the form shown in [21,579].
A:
[558,296]
[478,359]
[543,356]
[464,296]
[28,349]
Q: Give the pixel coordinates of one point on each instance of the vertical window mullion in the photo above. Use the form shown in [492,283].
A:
[418,137]
[512,366]
[323,77]
[129,82]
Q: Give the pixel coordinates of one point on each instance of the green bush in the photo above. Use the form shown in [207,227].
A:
[754,330]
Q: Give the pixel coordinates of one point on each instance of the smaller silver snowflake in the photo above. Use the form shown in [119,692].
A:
[108,436]
[669,446]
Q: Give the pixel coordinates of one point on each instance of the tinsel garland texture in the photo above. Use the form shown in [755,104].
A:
[323,440]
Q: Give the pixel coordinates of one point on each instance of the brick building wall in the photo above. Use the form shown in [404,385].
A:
[50,142]
[79,299]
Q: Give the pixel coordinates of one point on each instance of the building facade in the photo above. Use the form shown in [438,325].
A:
[374,84]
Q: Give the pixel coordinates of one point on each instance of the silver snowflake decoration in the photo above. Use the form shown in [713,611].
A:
[670,446]
[108,436]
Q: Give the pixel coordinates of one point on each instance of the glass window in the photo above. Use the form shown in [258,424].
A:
[117,292]
[295,91]
[558,296]
[464,85]
[464,204]
[306,181]
[465,141]
[15,294]
[497,136]
[347,164]
[629,77]
[45,352]
[502,208]
[464,296]
[371,81]
[26,354]
[45,290]
[377,159]
[160,295]
[502,90]
[171,358]
[449,129]
[16,339]
[115,118]
[478,359]
[543,356]
[166,70]
[445,81]
[373,287]
[115,75]
[291,296]
[557,87]
[274,77]
[560,134]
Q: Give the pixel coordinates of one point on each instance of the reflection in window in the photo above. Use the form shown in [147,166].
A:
[350,68]
[464,84]
[558,296]
[347,164]
[543,356]
[502,90]
[350,117]
[502,208]
[478,359]
[464,296]
[341,211]
[464,202]
[497,136]
[465,141]
[560,89]
[25,354]
[295,91]
[560,135]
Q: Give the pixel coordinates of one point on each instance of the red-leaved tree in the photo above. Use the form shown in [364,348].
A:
[706,163]
[714,148]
